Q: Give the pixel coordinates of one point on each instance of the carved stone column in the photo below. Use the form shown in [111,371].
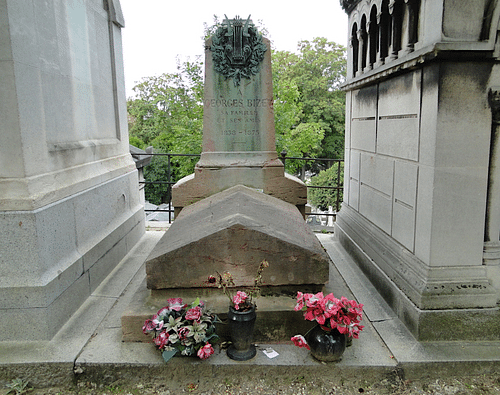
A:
[354,45]
[381,39]
[369,43]
[412,9]
[492,229]
[361,50]
[491,250]
[396,30]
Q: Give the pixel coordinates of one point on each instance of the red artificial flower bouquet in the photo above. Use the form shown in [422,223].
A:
[330,313]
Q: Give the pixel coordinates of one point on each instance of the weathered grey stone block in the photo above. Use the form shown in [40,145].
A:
[421,187]
[53,274]
[69,202]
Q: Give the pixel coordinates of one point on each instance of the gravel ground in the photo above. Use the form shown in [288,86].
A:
[447,386]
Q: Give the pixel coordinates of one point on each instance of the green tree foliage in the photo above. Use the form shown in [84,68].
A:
[167,110]
[158,172]
[295,137]
[167,113]
[136,142]
[307,97]
[332,177]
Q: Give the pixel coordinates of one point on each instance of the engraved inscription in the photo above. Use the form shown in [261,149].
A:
[239,117]
[253,132]
[239,103]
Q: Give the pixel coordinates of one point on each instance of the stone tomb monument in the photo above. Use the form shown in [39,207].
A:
[234,231]
[239,207]
[69,203]
[238,121]
[421,197]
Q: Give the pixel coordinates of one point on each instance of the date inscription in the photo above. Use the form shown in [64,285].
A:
[240,132]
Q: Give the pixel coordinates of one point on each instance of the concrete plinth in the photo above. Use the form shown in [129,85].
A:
[432,308]
[270,178]
[69,199]
[59,254]
[276,319]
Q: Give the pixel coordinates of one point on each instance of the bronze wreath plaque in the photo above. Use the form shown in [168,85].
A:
[237,49]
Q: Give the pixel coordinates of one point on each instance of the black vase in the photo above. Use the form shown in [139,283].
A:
[326,346]
[241,325]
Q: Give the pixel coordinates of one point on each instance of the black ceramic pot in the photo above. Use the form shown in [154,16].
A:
[327,346]
[241,325]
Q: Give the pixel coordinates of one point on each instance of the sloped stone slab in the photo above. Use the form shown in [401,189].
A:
[234,231]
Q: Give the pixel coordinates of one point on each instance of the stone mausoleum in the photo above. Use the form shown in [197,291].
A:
[69,198]
[421,210]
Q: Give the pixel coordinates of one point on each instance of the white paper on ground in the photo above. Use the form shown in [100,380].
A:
[270,353]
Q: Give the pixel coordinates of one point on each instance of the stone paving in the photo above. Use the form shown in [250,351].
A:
[88,352]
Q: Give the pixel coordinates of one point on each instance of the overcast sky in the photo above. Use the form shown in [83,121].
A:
[157,31]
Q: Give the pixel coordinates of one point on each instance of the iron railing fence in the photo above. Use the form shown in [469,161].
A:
[329,162]
[339,185]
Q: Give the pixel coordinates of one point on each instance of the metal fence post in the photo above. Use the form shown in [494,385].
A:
[283,157]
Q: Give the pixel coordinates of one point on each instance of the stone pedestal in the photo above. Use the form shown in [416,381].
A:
[270,179]
[234,231]
[420,211]
[69,202]
[238,208]
[238,138]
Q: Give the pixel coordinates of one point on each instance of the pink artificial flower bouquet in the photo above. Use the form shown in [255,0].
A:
[330,313]
[182,329]
[240,300]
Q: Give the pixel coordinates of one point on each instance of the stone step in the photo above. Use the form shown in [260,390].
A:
[276,318]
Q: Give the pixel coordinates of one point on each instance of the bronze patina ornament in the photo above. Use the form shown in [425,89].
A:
[237,49]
